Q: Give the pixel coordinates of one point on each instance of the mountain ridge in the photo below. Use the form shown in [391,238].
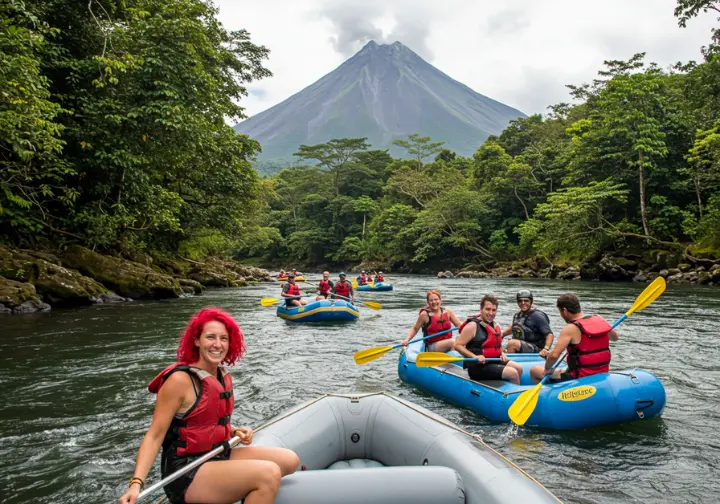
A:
[383,92]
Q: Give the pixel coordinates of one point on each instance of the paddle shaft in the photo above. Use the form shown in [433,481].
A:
[426,337]
[212,453]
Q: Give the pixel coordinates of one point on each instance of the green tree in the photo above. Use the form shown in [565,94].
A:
[704,158]
[334,155]
[419,148]
[625,126]
[580,216]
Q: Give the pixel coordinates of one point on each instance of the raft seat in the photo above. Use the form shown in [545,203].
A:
[379,485]
[355,464]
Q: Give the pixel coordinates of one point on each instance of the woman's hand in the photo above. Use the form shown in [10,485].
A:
[404,342]
[245,434]
[481,359]
[130,495]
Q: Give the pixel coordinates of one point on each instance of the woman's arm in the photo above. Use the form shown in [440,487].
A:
[421,320]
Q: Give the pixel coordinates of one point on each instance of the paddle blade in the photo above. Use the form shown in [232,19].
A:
[370,354]
[524,405]
[429,359]
[371,305]
[650,294]
[268,301]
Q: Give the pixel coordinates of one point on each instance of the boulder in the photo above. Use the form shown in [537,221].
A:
[704,278]
[605,269]
[56,284]
[19,297]
[684,267]
[127,278]
[666,260]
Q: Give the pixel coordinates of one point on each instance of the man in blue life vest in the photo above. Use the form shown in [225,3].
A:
[530,328]
[344,288]
[291,293]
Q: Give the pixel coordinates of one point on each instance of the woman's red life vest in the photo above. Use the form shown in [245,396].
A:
[436,325]
[293,290]
[324,286]
[369,279]
[363,279]
[206,425]
[592,355]
[379,278]
[487,340]
[342,289]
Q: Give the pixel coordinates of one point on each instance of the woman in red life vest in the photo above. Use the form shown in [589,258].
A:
[433,318]
[587,339]
[192,415]
[481,337]
[344,288]
[325,287]
[291,291]
[379,277]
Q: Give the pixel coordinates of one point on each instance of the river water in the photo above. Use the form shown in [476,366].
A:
[74,403]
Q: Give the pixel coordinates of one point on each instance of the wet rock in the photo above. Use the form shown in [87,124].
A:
[190,286]
[666,260]
[19,297]
[684,267]
[664,273]
[127,278]
[704,278]
[448,274]
[56,284]
[673,271]
[571,273]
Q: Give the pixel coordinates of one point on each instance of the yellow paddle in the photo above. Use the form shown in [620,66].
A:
[371,354]
[272,301]
[429,359]
[525,404]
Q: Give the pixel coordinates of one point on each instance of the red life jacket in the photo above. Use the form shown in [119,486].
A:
[592,355]
[379,278]
[362,280]
[324,287]
[487,340]
[206,424]
[293,290]
[436,325]
[369,279]
[342,289]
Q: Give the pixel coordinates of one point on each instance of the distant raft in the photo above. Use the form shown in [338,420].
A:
[601,399]
[380,286]
[360,448]
[320,311]
[297,279]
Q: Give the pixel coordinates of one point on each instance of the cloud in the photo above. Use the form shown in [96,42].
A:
[354,24]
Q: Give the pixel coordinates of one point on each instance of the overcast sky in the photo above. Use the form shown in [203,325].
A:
[520,52]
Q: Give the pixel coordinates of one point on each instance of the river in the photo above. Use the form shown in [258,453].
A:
[74,403]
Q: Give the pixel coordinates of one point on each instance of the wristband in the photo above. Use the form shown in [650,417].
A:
[546,348]
[138,481]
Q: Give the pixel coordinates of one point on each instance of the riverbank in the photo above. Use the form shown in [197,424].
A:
[644,267]
[32,281]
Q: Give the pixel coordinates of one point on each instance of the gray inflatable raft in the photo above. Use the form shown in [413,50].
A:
[376,448]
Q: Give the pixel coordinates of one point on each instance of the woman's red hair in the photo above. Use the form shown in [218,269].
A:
[188,353]
[431,292]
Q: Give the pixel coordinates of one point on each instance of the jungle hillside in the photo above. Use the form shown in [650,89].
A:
[115,136]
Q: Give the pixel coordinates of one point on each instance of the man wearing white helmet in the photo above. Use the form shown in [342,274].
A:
[530,328]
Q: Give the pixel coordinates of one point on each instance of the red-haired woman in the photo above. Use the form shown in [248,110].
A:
[433,318]
[192,416]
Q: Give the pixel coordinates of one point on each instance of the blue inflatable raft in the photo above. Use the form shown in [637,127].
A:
[319,311]
[381,286]
[593,401]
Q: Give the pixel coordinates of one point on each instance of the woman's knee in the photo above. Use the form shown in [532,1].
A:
[269,477]
[288,461]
